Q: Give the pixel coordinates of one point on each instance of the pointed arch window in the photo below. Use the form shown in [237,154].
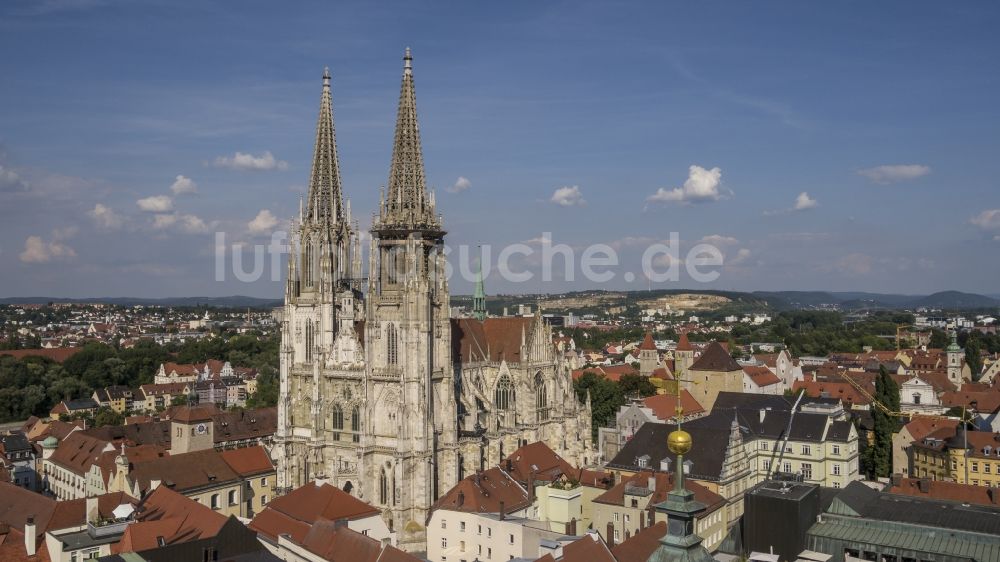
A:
[383,488]
[309,341]
[503,396]
[541,397]
[338,421]
[392,345]
[307,267]
[356,424]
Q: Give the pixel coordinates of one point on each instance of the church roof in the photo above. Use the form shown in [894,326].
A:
[493,339]
[683,344]
[716,358]
[647,343]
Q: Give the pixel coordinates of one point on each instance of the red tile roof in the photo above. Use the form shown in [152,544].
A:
[73,513]
[664,406]
[295,512]
[588,548]
[683,344]
[950,491]
[248,461]
[715,358]
[664,484]
[642,545]
[761,376]
[165,513]
[922,426]
[483,492]
[647,343]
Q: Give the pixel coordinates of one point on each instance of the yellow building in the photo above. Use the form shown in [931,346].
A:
[966,457]
[713,372]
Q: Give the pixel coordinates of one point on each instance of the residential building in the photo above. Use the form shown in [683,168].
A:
[918,428]
[17,459]
[628,508]
[957,455]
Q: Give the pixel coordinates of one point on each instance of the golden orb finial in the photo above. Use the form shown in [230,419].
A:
[679,442]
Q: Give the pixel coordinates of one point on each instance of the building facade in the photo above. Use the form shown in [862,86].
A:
[381,393]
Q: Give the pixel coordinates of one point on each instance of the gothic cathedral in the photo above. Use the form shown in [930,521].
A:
[382,393]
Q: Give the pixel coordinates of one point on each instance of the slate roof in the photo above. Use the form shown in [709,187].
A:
[651,439]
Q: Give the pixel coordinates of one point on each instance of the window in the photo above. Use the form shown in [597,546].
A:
[541,397]
[503,397]
[787,467]
[263,501]
[807,471]
[461,546]
[391,344]
[511,539]
[617,535]
[263,482]
[309,340]
[836,470]
[356,424]
[806,450]
[764,445]
[626,518]
[767,466]
[232,497]
[916,398]
[489,532]
[338,421]
[383,489]
[616,517]
[461,526]
[479,531]
[444,542]
[215,501]
[444,524]
[975,467]
[489,552]
[986,467]
[836,449]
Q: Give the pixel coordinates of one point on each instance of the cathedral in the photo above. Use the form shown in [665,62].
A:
[382,392]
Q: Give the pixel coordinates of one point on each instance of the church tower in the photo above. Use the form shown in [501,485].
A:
[318,297]
[954,355]
[479,296]
[407,331]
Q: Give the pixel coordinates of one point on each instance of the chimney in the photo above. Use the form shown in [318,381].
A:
[503,514]
[611,535]
[531,486]
[651,483]
[642,520]
[29,536]
[92,512]
[652,515]
[897,480]
[571,526]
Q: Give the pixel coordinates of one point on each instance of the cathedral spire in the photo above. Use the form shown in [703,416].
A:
[407,204]
[324,203]
[479,297]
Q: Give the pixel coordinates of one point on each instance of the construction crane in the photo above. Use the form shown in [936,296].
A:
[781,444]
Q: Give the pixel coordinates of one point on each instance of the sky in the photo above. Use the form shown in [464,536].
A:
[819,146]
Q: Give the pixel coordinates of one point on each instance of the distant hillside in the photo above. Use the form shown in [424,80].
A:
[236,301]
[957,299]
[859,300]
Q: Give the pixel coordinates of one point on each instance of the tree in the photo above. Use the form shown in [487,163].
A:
[974,357]
[636,386]
[605,398]
[107,416]
[878,457]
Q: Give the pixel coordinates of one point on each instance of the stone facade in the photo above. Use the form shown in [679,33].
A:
[381,393]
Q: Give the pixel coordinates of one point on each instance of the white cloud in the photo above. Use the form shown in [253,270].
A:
[987,220]
[38,250]
[461,184]
[568,197]
[741,257]
[105,217]
[719,240]
[183,184]
[803,202]
[11,181]
[156,204]
[241,161]
[701,186]
[265,221]
[190,224]
[895,172]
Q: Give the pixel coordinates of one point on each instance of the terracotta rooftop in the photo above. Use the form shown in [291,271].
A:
[295,512]
[761,376]
[248,461]
[483,492]
[78,452]
[189,414]
[950,491]
[664,406]
[537,461]
[184,472]
[73,513]
[683,344]
[19,504]
[588,548]
[642,545]
[664,483]
[922,426]
[167,514]
[647,343]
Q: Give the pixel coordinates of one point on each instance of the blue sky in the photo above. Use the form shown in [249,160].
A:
[883,115]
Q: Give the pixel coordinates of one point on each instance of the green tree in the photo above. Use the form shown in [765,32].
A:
[636,386]
[605,398]
[878,457]
[107,416]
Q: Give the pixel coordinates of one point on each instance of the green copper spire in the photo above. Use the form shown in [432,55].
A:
[479,297]
[953,346]
[681,543]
